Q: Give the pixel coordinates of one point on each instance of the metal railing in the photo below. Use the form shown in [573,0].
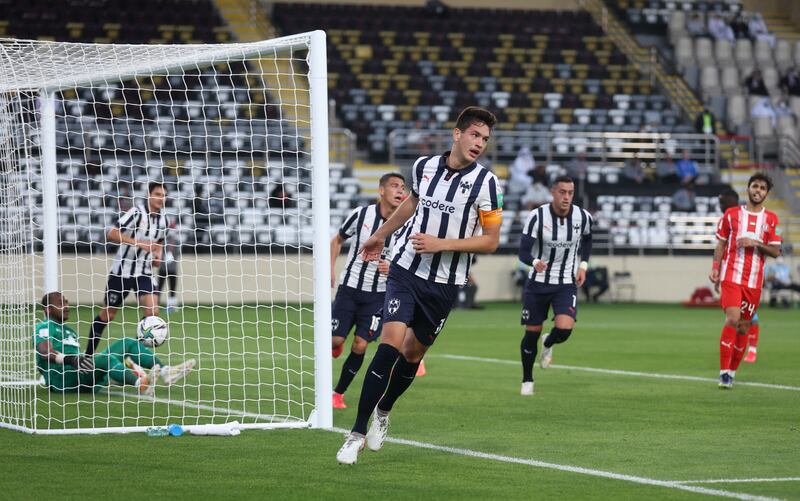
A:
[605,148]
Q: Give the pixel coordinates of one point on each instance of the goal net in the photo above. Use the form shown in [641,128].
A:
[237,134]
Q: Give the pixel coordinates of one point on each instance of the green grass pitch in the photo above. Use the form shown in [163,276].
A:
[471,435]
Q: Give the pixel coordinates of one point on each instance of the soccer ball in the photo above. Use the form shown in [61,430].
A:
[152,331]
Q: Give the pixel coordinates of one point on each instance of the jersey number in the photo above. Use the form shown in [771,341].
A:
[748,307]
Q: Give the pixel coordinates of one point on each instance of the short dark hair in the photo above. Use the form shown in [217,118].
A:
[49,298]
[760,176]
[475,114]
[728,198]
[155,184]
[386,177]
[561,179]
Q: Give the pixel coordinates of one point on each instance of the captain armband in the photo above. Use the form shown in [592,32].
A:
[490,217]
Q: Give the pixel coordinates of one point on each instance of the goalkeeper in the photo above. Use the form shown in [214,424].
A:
[126,362]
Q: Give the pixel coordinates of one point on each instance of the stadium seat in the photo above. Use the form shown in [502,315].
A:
[783,55]
[709,81]
[763,54]
[771,78]
[704,52]
[743,53]
[731,82]
[723,53]
[737,112]
[623,286]
[684,53]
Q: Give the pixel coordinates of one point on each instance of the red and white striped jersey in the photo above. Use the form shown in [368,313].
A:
[745,266]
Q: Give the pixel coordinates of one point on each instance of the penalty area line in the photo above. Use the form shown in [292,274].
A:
[616,372]
[573,469]
[738,480]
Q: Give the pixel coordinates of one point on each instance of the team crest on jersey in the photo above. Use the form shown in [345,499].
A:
[334,324]
[576,227]
[465,186]
[394,305]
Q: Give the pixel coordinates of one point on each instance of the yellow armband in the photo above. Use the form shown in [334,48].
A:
[490,217]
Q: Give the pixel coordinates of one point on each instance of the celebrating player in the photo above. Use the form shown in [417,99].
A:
[141,233]
[363,285]
[727,199]
[554,235]
[746,235]
[126,362]
[457,210]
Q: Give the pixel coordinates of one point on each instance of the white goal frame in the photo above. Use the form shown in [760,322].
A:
[321,416]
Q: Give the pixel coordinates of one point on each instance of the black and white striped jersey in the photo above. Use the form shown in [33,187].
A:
[557,241]
[449,201]
[131,261]
[359,274]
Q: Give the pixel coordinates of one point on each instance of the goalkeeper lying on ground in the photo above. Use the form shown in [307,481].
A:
[125,362]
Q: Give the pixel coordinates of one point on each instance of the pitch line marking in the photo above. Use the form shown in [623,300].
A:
[572,469]
[501,458]
[617,372]
[738,480]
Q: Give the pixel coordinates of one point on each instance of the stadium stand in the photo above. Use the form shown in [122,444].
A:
[538,69]
[558,83]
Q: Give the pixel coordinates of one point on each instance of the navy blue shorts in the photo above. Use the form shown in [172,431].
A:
[355,307]
[418,303]
[118,287]
[537,299]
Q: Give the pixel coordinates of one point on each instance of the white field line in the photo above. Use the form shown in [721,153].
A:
[571,469]
[501,458]
[616,372]
[738,480]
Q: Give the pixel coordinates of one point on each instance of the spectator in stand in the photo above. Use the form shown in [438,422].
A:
[279,198]
[519,175]
[665,169]
[739,27]
[577,169]
[686,169]
[790,82]
[782,109]
[539,175]
[683,199]
[754,84]
[763,109]
[778,276]
[758,29]
[704,123]
[719,29]
[696,27]
[537,195]
[633,172]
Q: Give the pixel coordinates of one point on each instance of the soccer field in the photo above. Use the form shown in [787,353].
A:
[630,410]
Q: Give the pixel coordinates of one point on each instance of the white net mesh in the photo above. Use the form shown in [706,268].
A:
[226,128]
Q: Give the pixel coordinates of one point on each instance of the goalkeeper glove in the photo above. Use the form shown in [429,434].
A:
[72,360]
[84,363]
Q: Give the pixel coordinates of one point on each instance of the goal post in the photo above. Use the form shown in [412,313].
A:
[84,129]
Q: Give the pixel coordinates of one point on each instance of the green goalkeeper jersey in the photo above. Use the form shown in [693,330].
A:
[64,340]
